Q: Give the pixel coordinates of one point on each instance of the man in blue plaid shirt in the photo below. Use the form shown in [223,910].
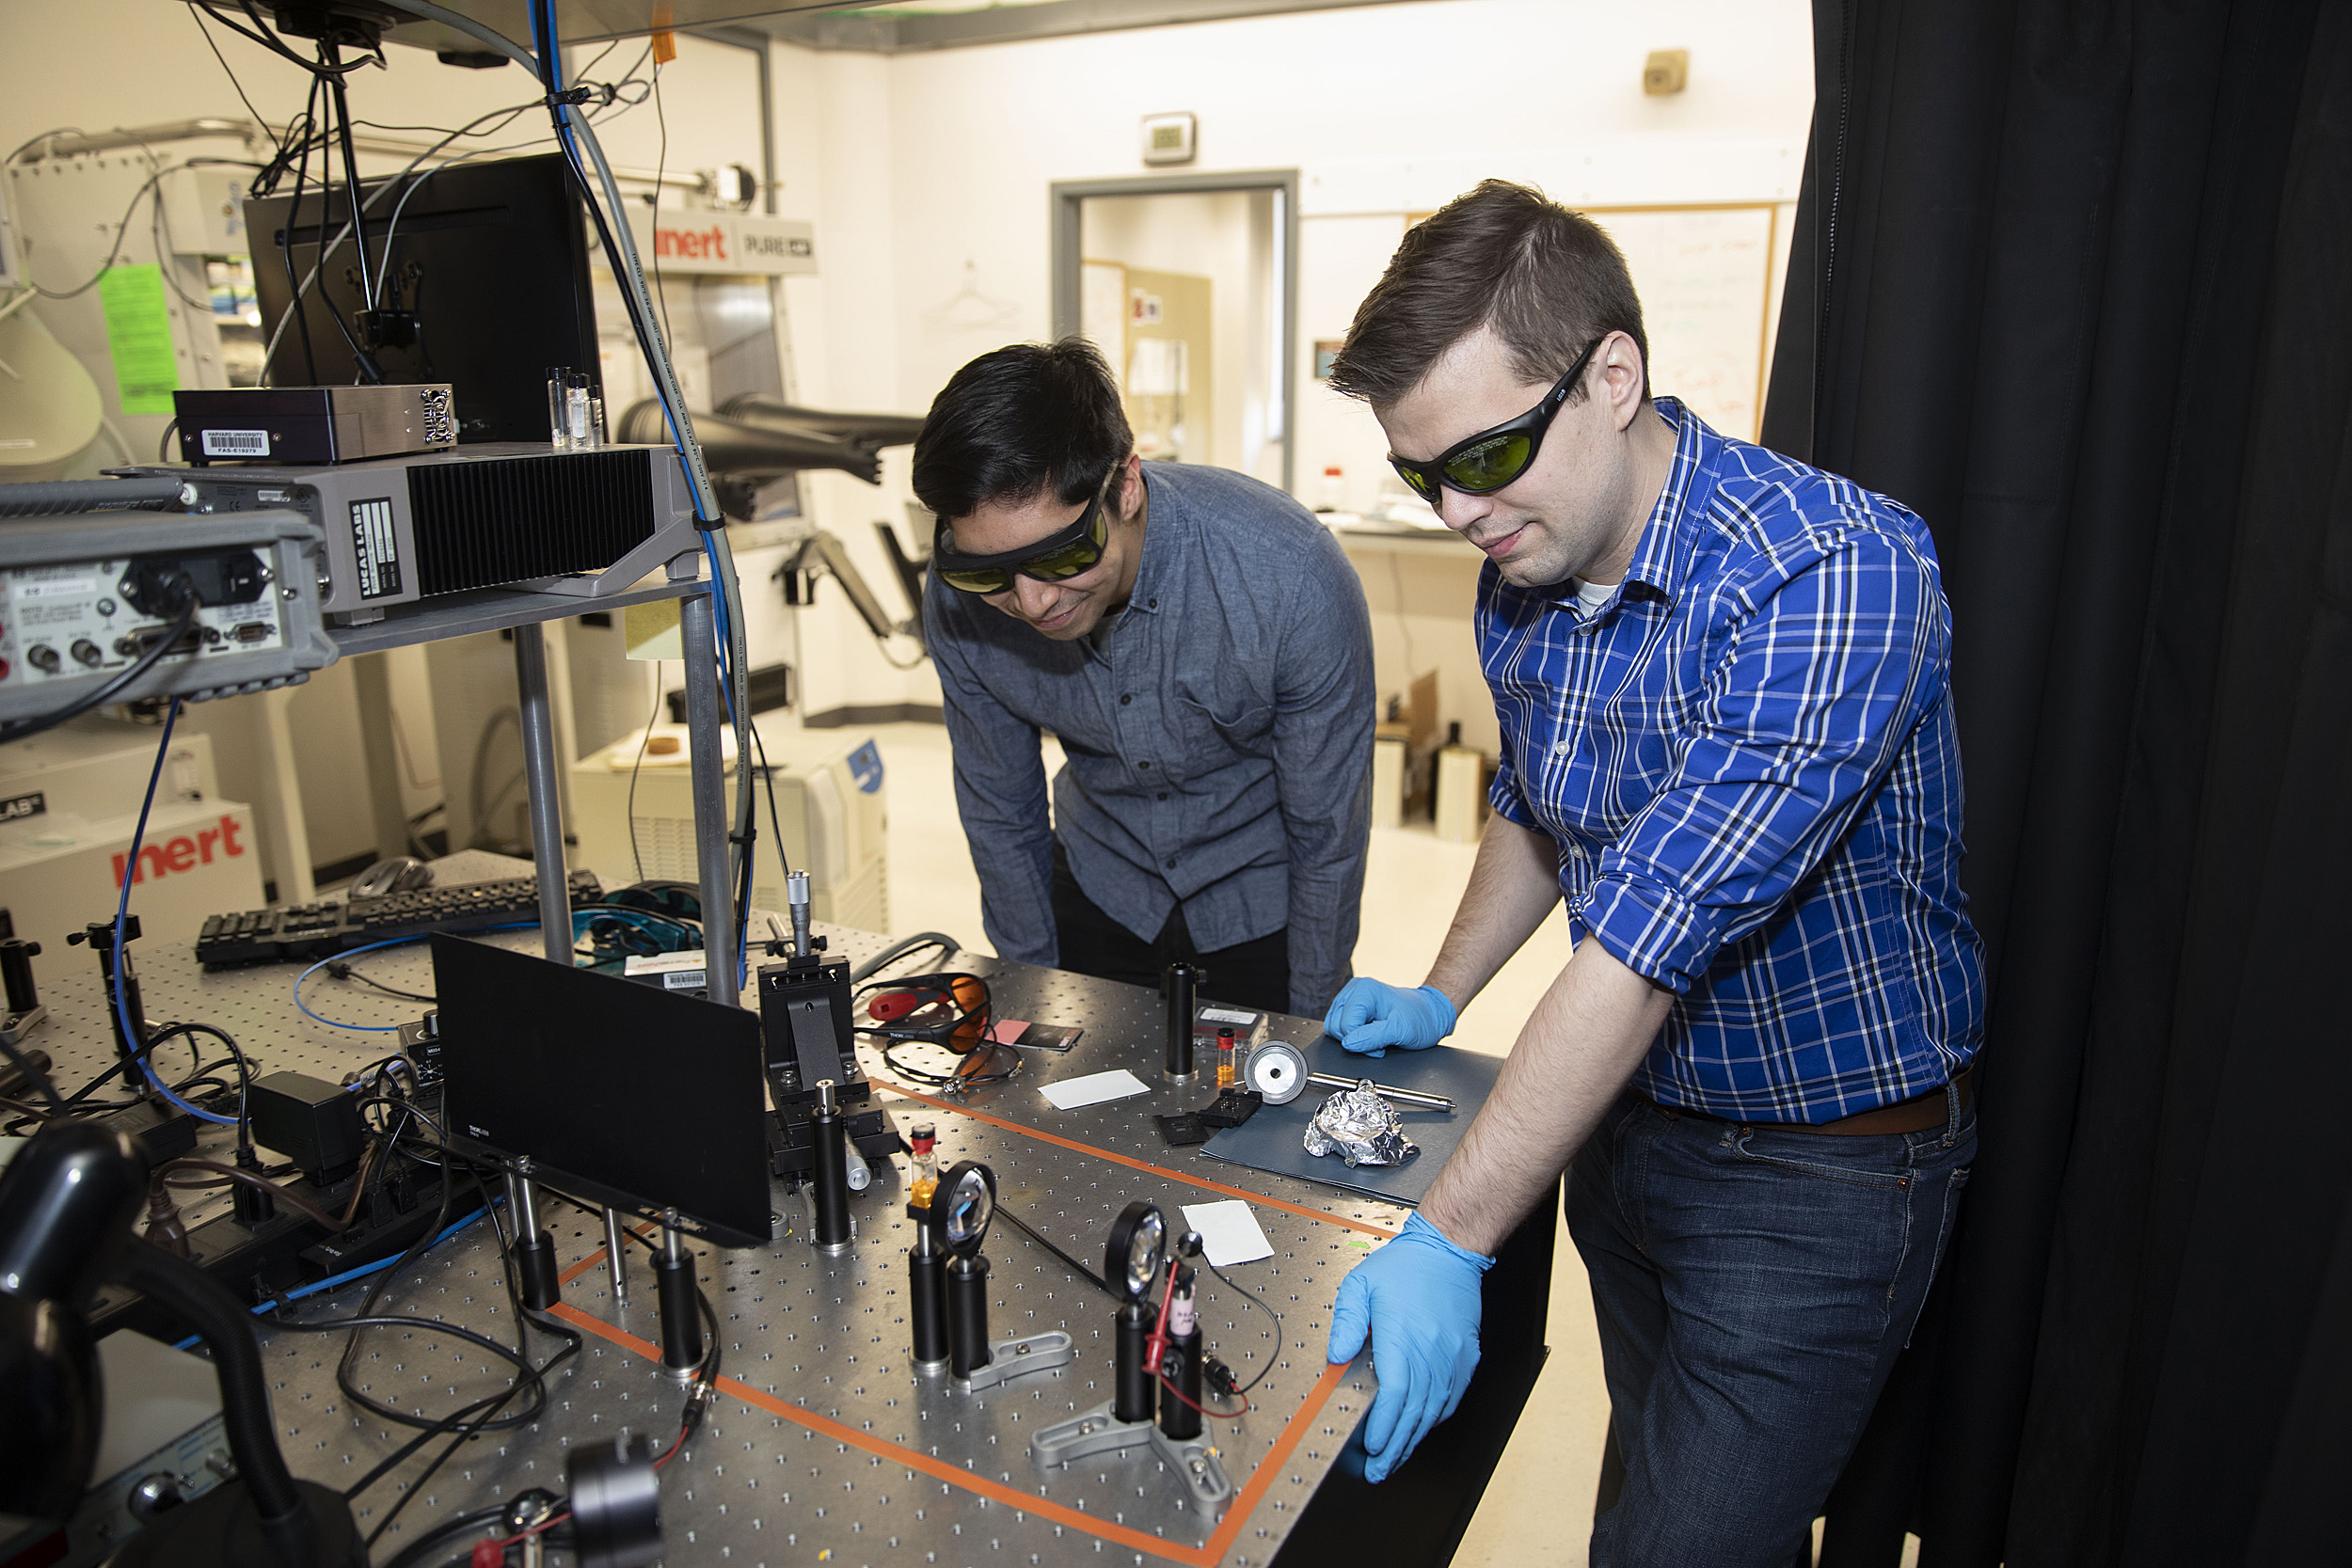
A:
[1724,683]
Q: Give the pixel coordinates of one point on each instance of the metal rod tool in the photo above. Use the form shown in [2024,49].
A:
[1278,1070]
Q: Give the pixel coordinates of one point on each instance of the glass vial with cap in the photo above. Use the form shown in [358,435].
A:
[1228,1069]
[924,1137]
[579,412]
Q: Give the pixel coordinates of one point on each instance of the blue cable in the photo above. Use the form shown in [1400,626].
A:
[378,947]
[544,36]
[122,914]
[348,1275]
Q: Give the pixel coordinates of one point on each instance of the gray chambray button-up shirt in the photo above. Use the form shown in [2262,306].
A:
[1219,738]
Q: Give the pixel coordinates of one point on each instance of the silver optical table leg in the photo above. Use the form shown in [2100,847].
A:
[539,778]
[704,715]
[615,1256]
[555,902]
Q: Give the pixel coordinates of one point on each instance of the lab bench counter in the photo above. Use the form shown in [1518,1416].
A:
[824,1443]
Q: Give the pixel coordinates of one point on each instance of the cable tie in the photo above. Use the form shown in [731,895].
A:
[571,95]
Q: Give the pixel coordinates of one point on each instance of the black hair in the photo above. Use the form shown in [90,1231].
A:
[1016,423]
[1547,279]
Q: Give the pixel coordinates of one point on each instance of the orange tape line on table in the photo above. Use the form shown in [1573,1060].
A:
[1136,1540]
[640,1231]
[1129,1160]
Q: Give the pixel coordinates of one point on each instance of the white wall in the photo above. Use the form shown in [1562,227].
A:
[1387,110]
[911,167]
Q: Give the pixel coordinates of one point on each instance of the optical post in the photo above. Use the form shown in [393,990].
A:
[1133,1259]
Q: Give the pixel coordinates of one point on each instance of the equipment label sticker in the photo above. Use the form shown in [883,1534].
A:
[16,808]
[30,587]
[236,443]
[372,541]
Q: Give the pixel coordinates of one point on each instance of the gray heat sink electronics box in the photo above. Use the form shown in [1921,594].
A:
[493,515]
[313,424]
[82,596]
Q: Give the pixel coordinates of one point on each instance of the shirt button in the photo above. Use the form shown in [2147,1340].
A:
[1163,794]
[1153,605]
[1125,698]
[1561,747]
[1145,765]
[1171,864]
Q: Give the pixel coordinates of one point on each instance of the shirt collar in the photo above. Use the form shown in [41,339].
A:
[1657,570]
[1163,520]
[1660,559]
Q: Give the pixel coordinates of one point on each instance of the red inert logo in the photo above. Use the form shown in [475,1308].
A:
[186,852]
[693,245]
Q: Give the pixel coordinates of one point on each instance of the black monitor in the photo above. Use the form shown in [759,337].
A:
[618,1093]
[490,259]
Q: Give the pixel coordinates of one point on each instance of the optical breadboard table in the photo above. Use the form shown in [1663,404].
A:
[824,1445]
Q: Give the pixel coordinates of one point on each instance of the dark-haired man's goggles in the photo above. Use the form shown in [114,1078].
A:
[1064,553]
[951,1011]
[1493,458]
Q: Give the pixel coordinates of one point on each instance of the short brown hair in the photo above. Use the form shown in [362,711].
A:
[1548,281]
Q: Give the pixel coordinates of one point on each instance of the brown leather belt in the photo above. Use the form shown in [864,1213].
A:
[1919,1114]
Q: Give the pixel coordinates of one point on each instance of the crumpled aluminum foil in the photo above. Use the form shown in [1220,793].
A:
[1360,1127]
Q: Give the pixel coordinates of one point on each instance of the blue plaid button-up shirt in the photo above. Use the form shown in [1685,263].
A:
[1748,760]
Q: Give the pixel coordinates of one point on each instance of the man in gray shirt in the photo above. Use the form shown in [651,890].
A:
[1199,644]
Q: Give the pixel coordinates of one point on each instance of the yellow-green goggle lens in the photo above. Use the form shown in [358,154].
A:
[1079,556]
[1421,486]
[1068,562]
[1491,465]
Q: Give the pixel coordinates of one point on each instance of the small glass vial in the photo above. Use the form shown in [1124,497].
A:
[559,408]
[924,1137]
[1228,1068]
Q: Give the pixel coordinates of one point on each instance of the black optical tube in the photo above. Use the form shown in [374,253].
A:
[681,1317]
[829,1138]
[927,1294]
[927,1304]
[16,974]
[99,934]
[534,1249]
[1180,983]
[1132,1393]
[967,1315]
[1181,1366]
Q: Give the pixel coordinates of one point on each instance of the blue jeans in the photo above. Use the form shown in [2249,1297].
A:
[1754,1286]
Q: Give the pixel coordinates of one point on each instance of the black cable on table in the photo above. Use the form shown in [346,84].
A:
[1068,1262]
[1244,1389]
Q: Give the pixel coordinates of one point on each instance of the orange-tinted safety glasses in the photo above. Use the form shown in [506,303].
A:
[950,1010]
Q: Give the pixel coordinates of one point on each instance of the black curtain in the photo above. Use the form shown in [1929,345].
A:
[2074,281]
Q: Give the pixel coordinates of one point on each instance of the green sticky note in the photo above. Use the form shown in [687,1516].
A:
[138,330]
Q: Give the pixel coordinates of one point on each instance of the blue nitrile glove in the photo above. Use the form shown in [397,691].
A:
[1418,1298]
[1369,1016]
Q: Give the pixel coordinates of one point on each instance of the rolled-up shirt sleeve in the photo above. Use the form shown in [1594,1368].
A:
[1827,662]
[1323,714]
[1503,793]
[1000,794]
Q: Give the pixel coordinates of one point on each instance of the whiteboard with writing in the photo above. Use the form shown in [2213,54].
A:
[1704,278]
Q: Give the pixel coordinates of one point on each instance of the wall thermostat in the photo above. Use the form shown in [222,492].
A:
[1169,138]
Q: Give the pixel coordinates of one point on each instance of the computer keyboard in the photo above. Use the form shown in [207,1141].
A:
[321,929]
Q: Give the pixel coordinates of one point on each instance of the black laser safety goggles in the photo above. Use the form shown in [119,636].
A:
[1064,553]
[1491,459]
